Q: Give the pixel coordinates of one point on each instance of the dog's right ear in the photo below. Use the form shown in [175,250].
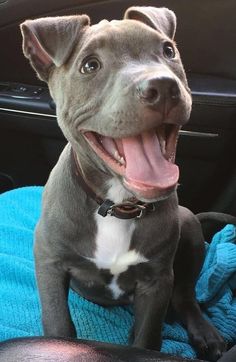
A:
[48,42]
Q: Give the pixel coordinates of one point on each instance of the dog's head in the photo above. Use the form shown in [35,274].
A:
[120,90]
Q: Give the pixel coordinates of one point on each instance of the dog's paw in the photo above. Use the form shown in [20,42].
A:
[207,342]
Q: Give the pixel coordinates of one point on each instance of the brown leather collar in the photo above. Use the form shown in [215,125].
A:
[129,209]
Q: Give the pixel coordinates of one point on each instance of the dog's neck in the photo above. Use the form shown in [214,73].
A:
[117,201]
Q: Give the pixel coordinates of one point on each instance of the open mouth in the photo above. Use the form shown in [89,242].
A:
[145,161]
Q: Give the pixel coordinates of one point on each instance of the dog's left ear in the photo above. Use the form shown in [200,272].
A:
[161,19]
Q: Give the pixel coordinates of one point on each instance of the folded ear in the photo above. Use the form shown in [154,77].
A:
[161,19]
[49,42]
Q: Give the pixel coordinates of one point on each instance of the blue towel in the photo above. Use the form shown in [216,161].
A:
[19,302]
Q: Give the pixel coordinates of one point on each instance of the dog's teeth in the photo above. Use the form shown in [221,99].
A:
[171,157]
[163,145]
[122,160]
[116,155]
[118,158]
[162,139]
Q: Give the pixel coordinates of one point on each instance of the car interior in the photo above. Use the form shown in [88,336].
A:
[31,140]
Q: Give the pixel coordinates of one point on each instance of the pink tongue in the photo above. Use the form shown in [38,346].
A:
[145,163]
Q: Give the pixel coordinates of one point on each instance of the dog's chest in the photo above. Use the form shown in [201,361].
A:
[113,240]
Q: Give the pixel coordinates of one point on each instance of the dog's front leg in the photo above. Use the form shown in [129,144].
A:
[53,285]
[150,307]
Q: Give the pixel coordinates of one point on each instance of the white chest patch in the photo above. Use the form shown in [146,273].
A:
[113,242]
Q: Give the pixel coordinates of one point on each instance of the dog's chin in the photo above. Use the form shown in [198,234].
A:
[149,194]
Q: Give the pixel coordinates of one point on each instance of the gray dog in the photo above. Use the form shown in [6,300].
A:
[111,227]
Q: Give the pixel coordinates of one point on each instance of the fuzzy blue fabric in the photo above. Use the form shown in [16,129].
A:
[19,302]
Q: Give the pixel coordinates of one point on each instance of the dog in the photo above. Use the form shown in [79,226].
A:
[111,227]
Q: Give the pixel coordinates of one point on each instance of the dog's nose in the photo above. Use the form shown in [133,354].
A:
[161,91]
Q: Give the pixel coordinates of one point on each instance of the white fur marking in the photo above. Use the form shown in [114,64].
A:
[125,260]
[113,240]
[116,192]
[115,289]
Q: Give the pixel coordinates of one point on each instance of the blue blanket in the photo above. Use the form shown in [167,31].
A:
[19,303]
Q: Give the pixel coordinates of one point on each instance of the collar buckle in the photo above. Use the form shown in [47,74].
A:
[144,208]
[106,208]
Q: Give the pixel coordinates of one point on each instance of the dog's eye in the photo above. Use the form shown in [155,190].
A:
[90,65]
[168,50]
